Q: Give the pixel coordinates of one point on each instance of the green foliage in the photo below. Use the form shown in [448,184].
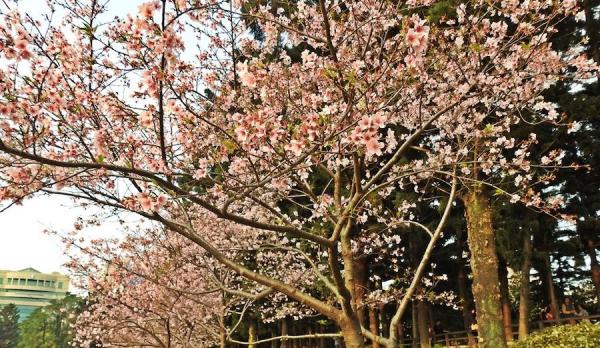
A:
[583,335]
[51,326]
[442,9]
[9,329]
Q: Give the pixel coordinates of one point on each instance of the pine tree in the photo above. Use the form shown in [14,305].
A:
[9,326]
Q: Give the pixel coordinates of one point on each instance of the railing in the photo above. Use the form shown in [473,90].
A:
[448,339]
[467,338]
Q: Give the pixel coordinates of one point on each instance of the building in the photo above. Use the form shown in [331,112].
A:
[30,289]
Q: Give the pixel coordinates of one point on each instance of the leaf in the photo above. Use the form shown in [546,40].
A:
[488,129]
[330,72]
[475,47]
[229,145]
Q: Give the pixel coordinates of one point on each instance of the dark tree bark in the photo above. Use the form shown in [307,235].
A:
[295,343]
[284,332]
[423,324]
[415,325]
[463,292]
[383,320]
[505,300]
[321,339]
[549,282]
[595,267]
[525,287]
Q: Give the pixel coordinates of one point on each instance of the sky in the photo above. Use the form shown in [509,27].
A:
[23,242]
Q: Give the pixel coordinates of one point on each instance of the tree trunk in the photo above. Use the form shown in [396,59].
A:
[252,334]
[350,324]
[505,300]
[352,334]
[382,319]
[595,267]
[373,324]
[423,324]
[524,290]
[295,343]
[415,325]
[361,274]
[400,331]
[273,331]
[550,286]
[322,339]
[222,341]
[431,319]
[284,332]
[222,335]
[484,264]
[463,291]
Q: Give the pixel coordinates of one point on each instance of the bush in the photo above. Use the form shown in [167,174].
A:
[582,335]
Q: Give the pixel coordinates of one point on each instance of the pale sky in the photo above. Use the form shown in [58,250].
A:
[23,242]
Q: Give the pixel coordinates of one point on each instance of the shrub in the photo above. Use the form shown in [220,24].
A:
[584,335]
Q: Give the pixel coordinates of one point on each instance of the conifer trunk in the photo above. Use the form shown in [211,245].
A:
[484,264]
[524,290]
[284,332]
[274,334]
[322,339]
[463,291]
[466,306]
[505,300]
[595,267]
[383,321]
[549,280]
[295,343]
[415,325]
[423,324]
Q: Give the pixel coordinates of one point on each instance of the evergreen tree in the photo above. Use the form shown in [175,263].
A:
[9,329]
[582,105]
[51,326]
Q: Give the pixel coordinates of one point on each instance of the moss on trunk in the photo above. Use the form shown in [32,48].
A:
[484,264]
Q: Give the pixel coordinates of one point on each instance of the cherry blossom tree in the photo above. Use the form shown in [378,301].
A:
[154,288]
[147,291]
[178,114]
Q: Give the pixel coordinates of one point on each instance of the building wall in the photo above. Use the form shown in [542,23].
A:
[29,289]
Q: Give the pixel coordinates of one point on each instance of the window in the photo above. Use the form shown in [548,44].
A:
[1,281]
[21,281]
[60,285]
[31,282]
